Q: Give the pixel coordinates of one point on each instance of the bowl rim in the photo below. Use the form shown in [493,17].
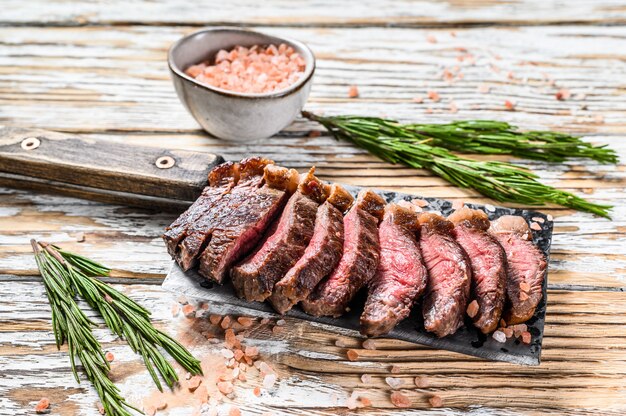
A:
[309,69]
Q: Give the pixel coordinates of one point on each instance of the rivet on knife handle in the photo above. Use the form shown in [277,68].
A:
[165,162]
[30,143]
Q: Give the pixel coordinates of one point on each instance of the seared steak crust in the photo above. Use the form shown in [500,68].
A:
[526,268]
[222,179]
[319,259]
[488,263]
[358,262]
[251,174]
[401,276]
[449,271]
[242,227]
[255,277]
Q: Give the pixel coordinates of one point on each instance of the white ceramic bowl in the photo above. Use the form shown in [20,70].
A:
[233,115]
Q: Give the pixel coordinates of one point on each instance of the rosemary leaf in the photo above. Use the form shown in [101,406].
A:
[427,146]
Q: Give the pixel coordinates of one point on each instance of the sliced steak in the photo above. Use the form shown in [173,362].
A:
[358,262]
[221,179]
[449,272]
[255,277]
[321,255]
[488,263]
[198,234]
[242,227]
[526,268]
[401,276]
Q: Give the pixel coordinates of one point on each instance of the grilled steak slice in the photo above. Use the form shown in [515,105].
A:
[243,227]
[488,263]
[526,268]
[222,178]
[449,272]
[321,255]
[255,277]
[401,276]
[358,262]
[251,172]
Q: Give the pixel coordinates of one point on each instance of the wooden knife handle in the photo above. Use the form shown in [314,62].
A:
[97,169]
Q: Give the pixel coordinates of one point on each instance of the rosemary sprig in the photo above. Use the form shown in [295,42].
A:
[71,325]
[501,181]
[67,274]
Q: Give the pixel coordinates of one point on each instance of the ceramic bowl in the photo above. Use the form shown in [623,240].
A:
[233,115]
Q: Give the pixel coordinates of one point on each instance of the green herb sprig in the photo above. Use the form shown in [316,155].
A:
[425,146]
[66,275]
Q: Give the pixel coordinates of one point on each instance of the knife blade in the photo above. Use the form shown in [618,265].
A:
[120,173]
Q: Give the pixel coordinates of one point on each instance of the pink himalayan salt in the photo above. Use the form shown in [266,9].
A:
[251,70]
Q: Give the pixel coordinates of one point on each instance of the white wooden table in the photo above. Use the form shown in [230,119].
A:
[99,69]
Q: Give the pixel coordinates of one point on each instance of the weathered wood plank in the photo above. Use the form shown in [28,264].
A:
[314,375]
[316,12]
[121,74]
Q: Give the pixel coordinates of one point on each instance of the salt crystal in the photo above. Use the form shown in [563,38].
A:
[227,353]
[499,336]
[526,337]
[535,226]
[421,382]
[473,308]
[366,378]
[352,355]
[225,322]
[234,411]
[394,382]
[456,205]
[490,208]
[435,401]
[245,321]
[538,219]
[215,319]
[269,380]
[369,344]
[194,383]
[225,387]
[395,369]
[399,399]
[280,322]
[420,202]
[340,343]
[251,351]
[509,105]
[353,91]
[352,402]
[434,95]
[257,391]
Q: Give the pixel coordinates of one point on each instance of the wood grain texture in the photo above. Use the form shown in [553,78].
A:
[80,67]
[115,167]
[322,13]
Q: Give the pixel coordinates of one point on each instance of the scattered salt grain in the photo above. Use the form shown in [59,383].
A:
[215,319]
[400,399]
[280,322]
[395,369]
[265,321]
[457,204]
[193,383]
[189,311]
[366,378]
[230,340]
[563,94]
[226,353]
[340,343]
[352,401]
[394,382]
[434,95]
[269,380]
[499,336]
[225,387]
[519,329]
[369,344]
[257,391]
[277,329]
[100,408]
[365,401]
[549,217]
[509,105]
[251,352]
[42,406]
[508,332]
[352,355]
[418,100]
[353,91]
[526,337]
[435,401]
[420,202]
[538,219]
[490,207]
[226,322]
[473,308]
[535,226]
[234,411]
[238,354]
[421,382]
[109,356]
